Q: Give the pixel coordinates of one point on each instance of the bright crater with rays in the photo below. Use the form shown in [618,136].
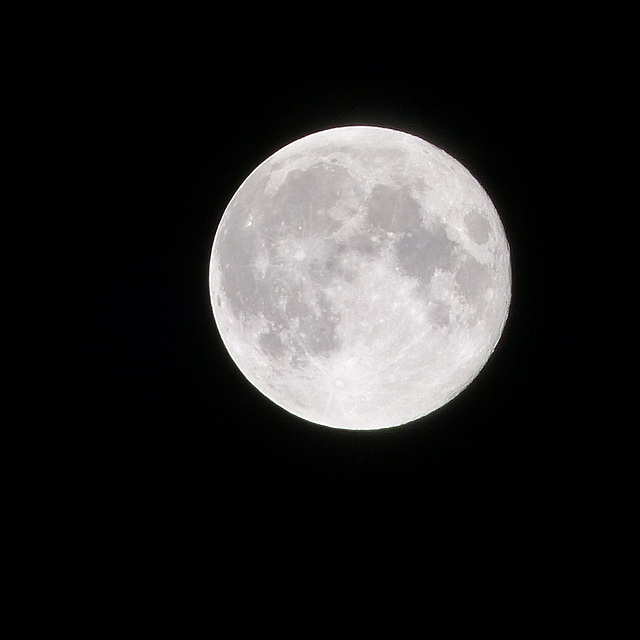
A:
[360,278]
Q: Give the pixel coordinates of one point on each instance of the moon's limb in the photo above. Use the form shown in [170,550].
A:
[360,277]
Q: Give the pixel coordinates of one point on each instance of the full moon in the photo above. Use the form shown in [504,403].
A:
[360,278]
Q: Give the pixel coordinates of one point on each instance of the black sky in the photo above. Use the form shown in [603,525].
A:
[167,126]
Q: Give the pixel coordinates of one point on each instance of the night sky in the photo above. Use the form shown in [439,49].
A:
[181,452]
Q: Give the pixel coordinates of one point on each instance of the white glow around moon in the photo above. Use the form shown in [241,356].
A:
[360,278]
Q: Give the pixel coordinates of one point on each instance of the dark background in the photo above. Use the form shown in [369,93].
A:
[178,453]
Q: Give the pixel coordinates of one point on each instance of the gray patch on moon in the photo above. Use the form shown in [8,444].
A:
[320,329]
[307,192]
[421,251]
[338,266]
[473,280]
[477,227]
[393,209]
[299,322]
[271,344]
[235,255]
[439,313]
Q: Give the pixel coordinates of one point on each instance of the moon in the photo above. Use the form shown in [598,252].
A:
[360,278]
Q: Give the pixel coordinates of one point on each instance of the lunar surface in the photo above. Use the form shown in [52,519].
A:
[360,278]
